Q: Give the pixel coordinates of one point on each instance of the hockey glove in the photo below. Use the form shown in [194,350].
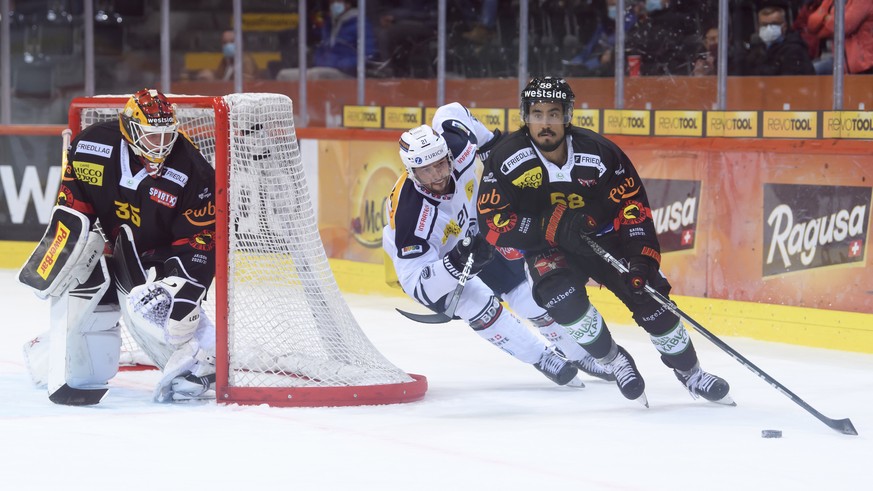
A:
[565,227]
[171,304]
[485,150]
[482,251]
[636,277]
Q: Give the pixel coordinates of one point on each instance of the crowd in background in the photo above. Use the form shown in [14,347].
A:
[576,38]
[570,38]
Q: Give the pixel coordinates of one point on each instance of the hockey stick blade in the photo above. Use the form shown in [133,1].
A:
[449,314]
[843,426]
[437,318]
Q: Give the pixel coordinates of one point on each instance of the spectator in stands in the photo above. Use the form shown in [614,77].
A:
[859,32]
[801,25]
[776,49]
[665,38]
[404,27]
[225,68]
[336,56]
[597,55]
[706,61]
[485,28]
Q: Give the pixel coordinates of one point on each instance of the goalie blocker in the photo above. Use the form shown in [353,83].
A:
[67,252]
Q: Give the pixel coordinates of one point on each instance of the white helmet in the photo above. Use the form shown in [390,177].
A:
[420,147]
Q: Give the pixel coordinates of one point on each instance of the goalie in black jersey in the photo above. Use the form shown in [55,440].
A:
[132,235]
[549,184]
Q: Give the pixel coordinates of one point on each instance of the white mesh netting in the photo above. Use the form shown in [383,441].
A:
[288,325]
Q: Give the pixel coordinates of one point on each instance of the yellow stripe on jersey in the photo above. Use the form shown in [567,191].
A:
[394,197]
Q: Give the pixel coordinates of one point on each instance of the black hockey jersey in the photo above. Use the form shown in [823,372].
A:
[171,215]
[520,187]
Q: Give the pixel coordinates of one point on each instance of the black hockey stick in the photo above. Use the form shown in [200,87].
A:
[449,314]
[844,426]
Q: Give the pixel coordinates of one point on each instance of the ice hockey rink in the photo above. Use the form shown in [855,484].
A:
[487,422]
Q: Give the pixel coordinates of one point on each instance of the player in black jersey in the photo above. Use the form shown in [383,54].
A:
[140,188]
[546,185]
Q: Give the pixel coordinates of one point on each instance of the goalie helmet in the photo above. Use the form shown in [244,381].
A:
[422,147]
[548,89]
[148,123]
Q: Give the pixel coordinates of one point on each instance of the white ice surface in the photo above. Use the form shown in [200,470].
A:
[487,422]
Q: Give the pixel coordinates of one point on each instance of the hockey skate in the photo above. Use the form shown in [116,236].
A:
[191,387]
[706,385]
[198,383]
[627,377]
[590,366]
[557,369]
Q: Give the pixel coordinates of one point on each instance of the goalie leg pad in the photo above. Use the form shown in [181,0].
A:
[36,358]
[84,342]
[64,257]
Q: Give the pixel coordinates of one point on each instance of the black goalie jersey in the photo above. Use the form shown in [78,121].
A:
[171,215]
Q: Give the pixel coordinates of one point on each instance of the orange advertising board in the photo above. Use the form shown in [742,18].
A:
[757,221]
[355,178]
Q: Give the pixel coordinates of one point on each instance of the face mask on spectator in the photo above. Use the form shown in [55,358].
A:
[229,49]
[769,34]
[337,8]
[611,11]
[653,5]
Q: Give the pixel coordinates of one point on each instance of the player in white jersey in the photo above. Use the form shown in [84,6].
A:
[432,208]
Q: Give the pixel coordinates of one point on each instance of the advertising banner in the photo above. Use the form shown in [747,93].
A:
[355,179]
[813,227]
[627,122]
[403,118]
[30,175]
[732,124]
[674,206]
[678,123]
[362,117]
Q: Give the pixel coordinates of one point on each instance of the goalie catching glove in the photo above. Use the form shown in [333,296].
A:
[482,252]
[171,304]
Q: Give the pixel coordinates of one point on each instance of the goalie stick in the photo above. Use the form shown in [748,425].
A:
[843,426]
[449,313]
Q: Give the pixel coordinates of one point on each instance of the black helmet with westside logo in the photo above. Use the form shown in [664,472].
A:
[548,89]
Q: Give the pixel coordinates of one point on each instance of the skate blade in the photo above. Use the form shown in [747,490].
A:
[575,383]
[727,400]
[642,399]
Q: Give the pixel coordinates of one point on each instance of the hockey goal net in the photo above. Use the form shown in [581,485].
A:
[285,336]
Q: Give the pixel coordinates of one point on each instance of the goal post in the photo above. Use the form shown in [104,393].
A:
[284,334]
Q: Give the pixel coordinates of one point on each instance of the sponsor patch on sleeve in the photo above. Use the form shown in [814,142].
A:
[425,220]
[94,148]
[410,250]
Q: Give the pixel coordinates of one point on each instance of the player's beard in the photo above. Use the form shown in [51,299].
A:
[548,147]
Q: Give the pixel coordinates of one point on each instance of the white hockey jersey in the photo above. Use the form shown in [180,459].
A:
[423,227]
